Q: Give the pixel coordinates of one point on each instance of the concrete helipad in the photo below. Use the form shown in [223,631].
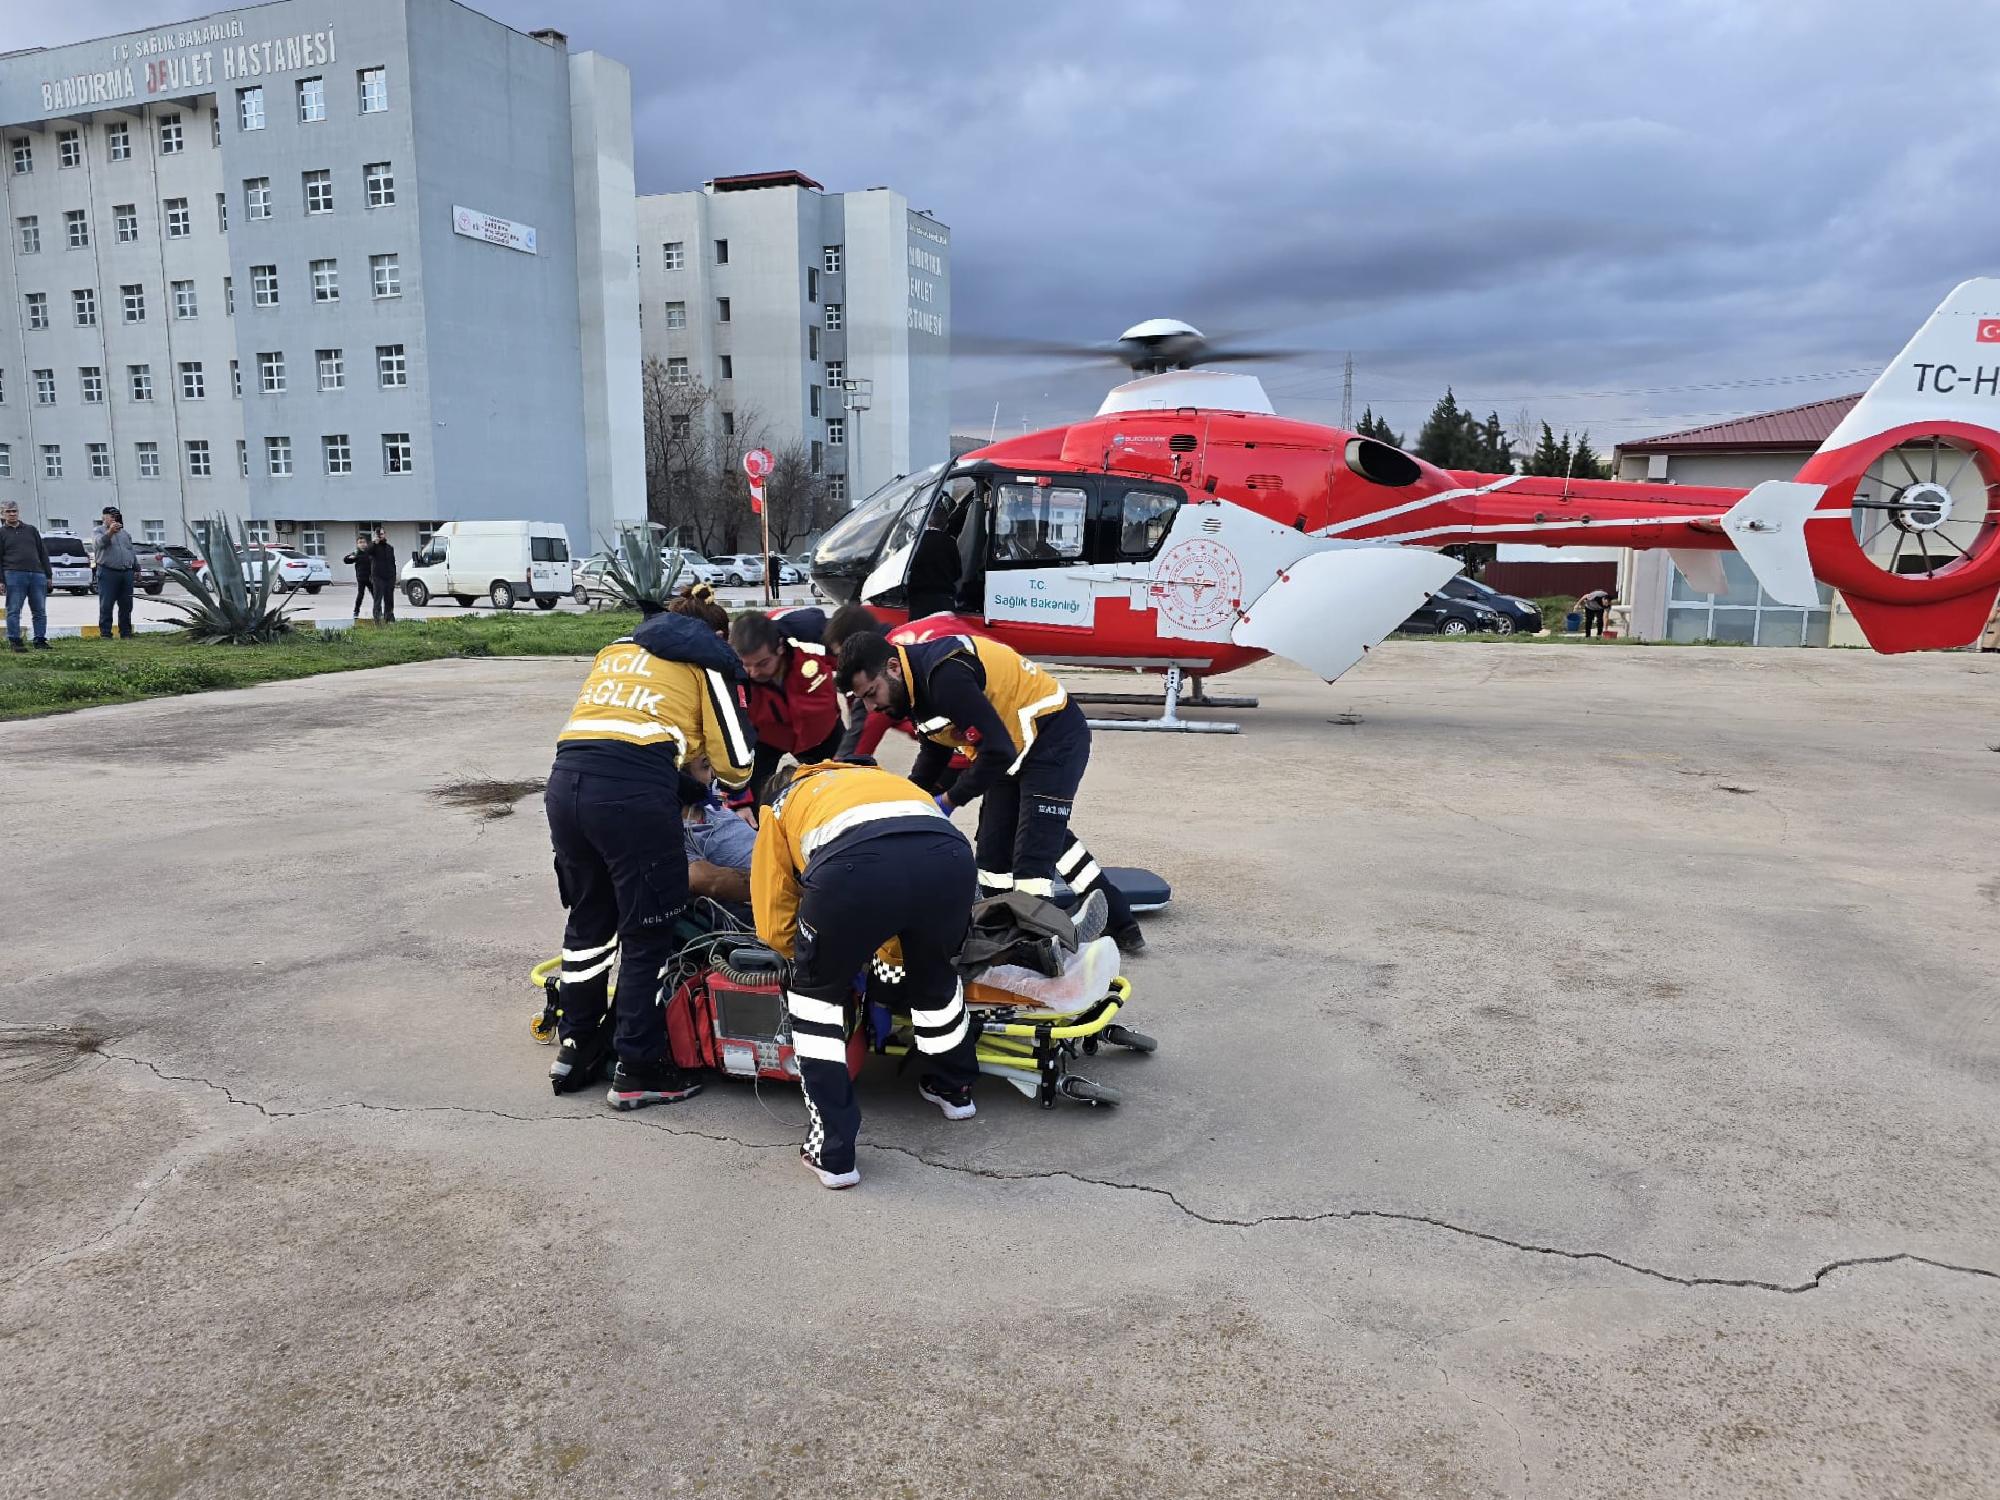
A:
[1580,1076]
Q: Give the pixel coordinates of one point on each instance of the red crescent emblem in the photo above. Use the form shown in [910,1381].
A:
[1989,331]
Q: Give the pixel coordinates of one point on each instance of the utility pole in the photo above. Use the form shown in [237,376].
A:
[1347,395]
[856,397]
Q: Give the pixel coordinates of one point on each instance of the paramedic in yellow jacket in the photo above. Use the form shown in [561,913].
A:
[847,858]
[1029,746]
[654,701]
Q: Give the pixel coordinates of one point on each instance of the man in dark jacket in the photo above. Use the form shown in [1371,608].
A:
[117,571]
[363,564]
[24,564]
[382,577]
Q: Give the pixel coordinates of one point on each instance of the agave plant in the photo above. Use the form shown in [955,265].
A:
[225,608]
[641,570]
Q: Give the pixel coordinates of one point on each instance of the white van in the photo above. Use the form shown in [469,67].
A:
[503,561]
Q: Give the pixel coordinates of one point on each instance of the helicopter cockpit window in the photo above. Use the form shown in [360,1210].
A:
[1145,517]
[1035,523]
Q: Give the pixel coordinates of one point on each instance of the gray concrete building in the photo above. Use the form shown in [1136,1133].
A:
[822,319]
[319,264]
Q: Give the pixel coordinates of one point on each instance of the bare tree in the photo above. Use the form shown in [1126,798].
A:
[794,497]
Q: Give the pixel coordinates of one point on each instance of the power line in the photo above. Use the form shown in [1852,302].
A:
[1648,390]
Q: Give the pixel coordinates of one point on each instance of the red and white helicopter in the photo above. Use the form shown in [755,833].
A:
[1188,529]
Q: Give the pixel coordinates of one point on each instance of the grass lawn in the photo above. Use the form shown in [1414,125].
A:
[82,674]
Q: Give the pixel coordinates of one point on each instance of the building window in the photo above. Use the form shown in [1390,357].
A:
[673,255]
[184,303]
[312,100]
[812,283]
[149,468]
[833,316]
[722,309]
[30,227]
[134,298]
[319,191]
[831,261]
[118,138]
[243,460]
[722,252]
[24,156]
[215,128]
[729,424]
[326,281]
[338,455]
[229,296]
[391,370]
[381,184]
[140,378]
[398,457]
[77,224]
[677,315]
[222,213]
[836,373]
[332,370]
[312,539]
[386,273]
[125,216]
[6,461]
[38,309]
[69,148]
[257,197]
[250,108]
[153,533]
[194,386]
[728,367]
[374,84]
[812,401]
[836,488]
[818,456]
[679,424]
[83,302]
[278,457]
[180,223]
[264,286]
[836,432]
[271,372]
[52,469]
[236,380]
[100,459]
[91,380]
[812,341]
[45,387]
[172,140]
[677,371]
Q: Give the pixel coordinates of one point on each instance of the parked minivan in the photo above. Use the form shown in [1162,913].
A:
[69,562]
[502,561]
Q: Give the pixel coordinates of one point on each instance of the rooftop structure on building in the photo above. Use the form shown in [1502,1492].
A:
[1792,427]
[318,264]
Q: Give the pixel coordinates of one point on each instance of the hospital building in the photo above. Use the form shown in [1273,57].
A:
[319,264]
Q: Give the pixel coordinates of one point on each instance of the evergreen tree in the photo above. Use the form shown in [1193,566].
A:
[1444,440]
[1550,457]
[1584,462]
[1496,449]
[1372,426]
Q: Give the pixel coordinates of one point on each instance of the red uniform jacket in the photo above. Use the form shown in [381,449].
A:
[800,711]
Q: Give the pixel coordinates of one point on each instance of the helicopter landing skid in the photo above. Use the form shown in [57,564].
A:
[1170,721]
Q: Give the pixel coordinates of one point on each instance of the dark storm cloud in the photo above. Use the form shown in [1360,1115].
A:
[1529,199]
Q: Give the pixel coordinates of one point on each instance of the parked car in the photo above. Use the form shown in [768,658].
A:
[152,569]
[69,562]
[1515,612]
[187,557]
[506,561]
[698,569]
[293,570]
[1445,614]
[747,568]
[588,580]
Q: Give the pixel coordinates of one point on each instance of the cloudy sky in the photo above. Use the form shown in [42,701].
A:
[1626,215]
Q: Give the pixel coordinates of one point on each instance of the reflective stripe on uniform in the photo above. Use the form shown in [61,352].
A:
[823,1012]
[855,817]
[577,976]
[821,1048]
[938,1044]
[1073,856]
[1035,886]
[584,955]
[1087,877]
[737,735]
[944,1014]
[994,880]
[638,731]
[1027,716]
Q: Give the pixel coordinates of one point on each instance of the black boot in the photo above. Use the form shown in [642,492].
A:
[634,1085]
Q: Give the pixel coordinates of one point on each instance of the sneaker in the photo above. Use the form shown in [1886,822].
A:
[955,1102]
[634,1085]
[18,646]
[1091,917]
[577,1064]
[1130,939]
[828,1179]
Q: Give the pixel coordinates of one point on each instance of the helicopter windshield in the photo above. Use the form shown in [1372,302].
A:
[851,547]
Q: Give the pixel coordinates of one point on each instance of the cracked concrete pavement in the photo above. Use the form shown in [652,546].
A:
[1578,1077]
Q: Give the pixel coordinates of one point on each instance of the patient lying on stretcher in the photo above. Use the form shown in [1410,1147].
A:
[719,842]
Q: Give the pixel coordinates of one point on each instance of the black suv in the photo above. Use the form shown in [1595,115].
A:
[1515,613]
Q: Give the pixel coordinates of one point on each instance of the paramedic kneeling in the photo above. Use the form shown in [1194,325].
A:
[847,858]
[665,694]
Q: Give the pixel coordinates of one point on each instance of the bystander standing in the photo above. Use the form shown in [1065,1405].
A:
[24,564]
[382,577]
[117,571]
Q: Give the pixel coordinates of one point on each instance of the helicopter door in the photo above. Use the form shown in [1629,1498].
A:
[1037,531]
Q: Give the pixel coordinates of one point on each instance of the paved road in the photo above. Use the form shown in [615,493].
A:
[1580,1077]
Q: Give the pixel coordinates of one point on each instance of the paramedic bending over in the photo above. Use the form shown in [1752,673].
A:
[849,858]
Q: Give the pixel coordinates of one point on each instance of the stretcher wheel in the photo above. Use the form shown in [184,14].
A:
[1125,1036]
[1085,1092]
[542,1027]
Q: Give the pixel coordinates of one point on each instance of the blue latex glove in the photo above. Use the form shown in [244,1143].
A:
[942,805]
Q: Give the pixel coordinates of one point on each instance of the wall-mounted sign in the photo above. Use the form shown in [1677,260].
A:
[475,225]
